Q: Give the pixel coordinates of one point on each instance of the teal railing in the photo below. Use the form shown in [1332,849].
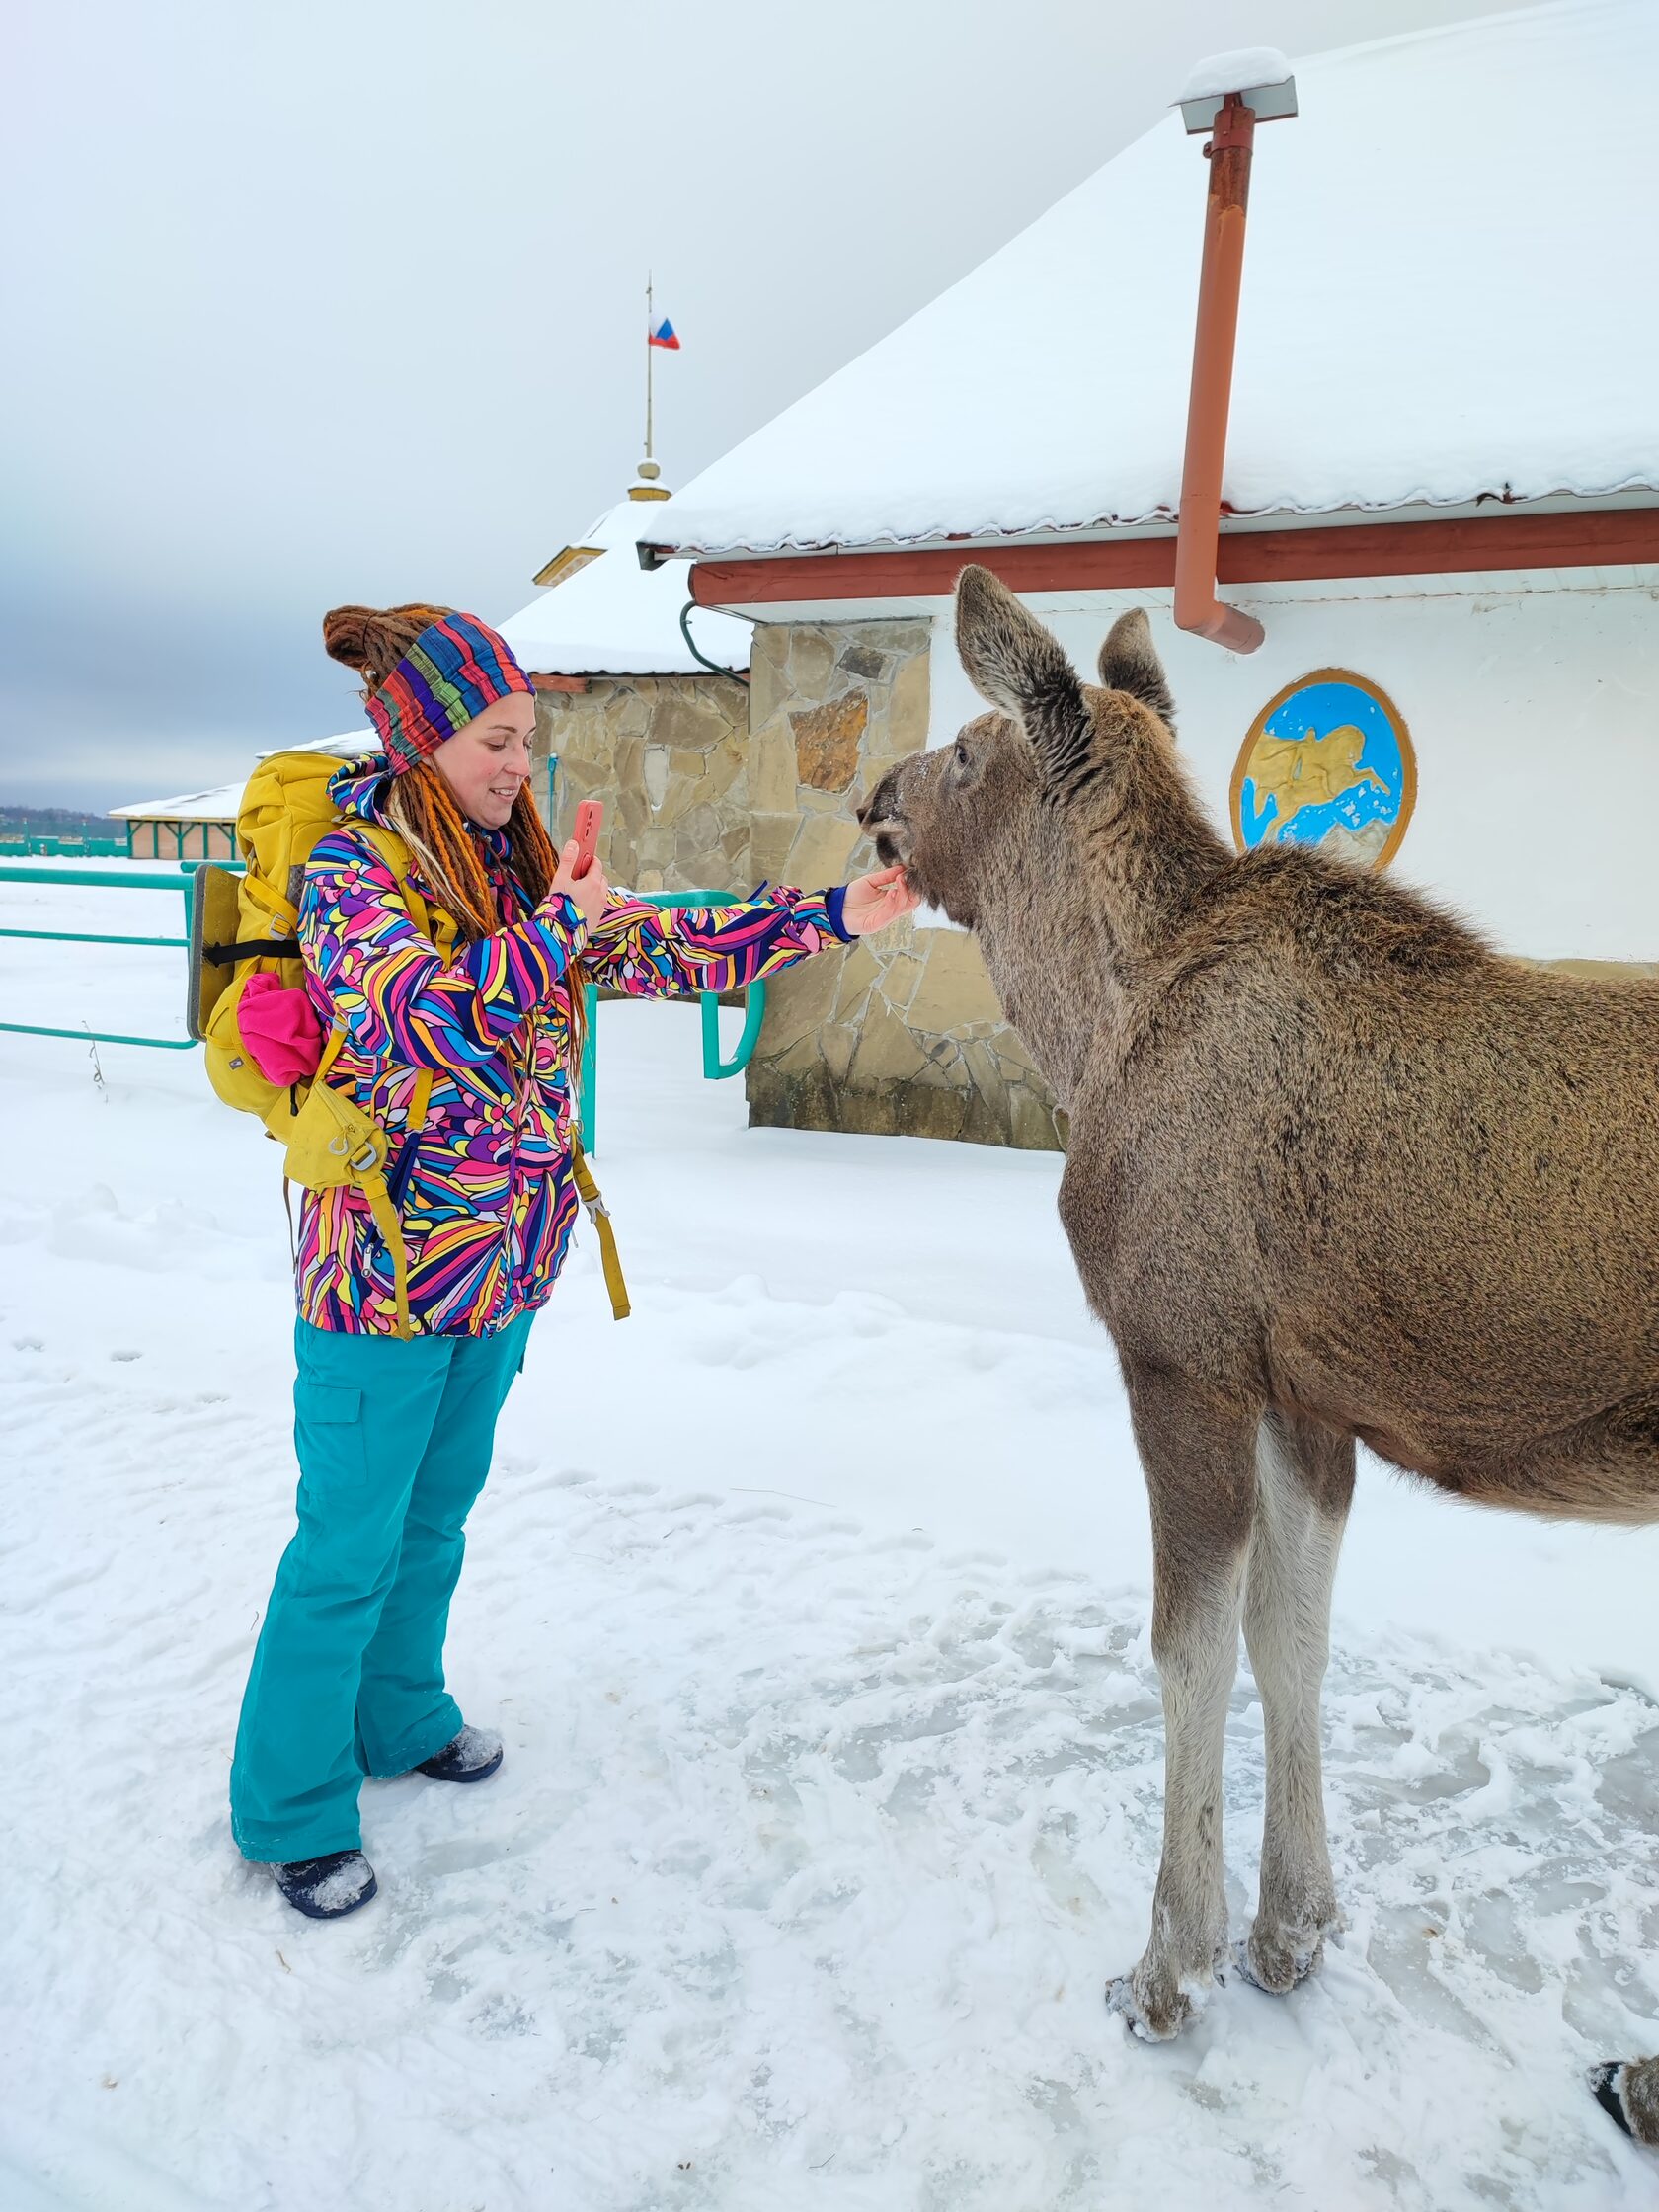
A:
[102,879]
[714,1067]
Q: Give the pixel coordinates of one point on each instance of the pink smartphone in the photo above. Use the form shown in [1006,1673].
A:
[588,817]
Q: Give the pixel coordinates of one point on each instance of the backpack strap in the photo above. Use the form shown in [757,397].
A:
[372,1183]
[331,1051]
[600,1214]
[435,924]
[266,896]
[430,918]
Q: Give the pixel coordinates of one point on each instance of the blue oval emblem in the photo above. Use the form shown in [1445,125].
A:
[1328,762]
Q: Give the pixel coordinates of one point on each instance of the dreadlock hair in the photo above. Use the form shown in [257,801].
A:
[421,807]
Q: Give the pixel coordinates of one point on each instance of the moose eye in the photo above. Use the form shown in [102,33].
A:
[961,753]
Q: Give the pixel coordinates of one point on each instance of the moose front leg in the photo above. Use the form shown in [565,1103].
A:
[1304,1480]
[1198,1453]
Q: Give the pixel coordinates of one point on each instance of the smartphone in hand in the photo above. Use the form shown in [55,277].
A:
[588,816]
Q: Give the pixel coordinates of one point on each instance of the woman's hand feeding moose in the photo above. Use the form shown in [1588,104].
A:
[871,903]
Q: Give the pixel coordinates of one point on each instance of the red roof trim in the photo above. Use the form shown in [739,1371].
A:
[1606,537]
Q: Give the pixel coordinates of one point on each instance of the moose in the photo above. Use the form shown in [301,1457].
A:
[1336,1170]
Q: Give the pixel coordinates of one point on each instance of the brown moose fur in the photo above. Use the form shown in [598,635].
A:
[1336,1170]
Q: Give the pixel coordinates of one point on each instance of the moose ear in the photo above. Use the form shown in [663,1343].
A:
[1012,662]
[1129,662]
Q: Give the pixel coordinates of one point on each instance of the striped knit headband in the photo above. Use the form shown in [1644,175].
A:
[455,669]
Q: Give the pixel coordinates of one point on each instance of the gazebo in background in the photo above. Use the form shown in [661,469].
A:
[201,824]
[195,826]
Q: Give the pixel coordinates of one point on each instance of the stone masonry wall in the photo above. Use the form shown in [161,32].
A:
[669,757]
[902,1034]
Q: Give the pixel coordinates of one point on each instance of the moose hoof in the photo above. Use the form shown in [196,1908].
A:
[1628,2091]
[1276,1960]
[1154,2004]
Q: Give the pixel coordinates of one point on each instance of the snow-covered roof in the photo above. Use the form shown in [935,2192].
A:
[224,803]
[219,805]
[1444,299]
[350,745]
[612,617]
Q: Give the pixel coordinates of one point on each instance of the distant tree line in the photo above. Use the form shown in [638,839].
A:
[56,822]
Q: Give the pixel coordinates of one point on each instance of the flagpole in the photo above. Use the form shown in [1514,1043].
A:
[647,353]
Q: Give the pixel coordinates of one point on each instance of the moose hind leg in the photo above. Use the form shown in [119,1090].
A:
[1197,1449]
[1304,1480]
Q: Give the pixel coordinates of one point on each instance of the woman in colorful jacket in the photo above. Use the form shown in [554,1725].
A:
[468,1065]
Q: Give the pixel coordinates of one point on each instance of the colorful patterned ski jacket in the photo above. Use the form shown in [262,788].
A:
[485,1186]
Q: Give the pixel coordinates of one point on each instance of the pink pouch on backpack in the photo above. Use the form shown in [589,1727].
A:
[279,1029]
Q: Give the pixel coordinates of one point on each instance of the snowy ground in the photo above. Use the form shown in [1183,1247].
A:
[812,1605]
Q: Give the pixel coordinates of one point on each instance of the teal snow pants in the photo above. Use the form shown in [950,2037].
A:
[393,1439]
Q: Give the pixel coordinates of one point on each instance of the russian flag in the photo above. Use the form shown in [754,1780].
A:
[664,334]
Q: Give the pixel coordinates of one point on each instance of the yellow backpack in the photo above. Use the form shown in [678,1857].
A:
[245,926]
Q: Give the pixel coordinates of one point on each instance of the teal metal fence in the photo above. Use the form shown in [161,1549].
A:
[102,879]
[716,1067]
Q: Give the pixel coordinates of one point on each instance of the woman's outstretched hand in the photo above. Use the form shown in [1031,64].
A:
[874,901]
[588,892]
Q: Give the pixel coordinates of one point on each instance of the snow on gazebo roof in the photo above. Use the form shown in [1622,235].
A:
[219,805]
[1444,299]
[350,745]
[609,616]
[224,802]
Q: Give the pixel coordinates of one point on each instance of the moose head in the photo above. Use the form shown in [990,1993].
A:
[969,819]
[1060,827]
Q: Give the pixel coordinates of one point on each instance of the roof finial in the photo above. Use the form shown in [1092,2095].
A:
[647,487]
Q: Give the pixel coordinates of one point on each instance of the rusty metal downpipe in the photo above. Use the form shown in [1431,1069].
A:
[1198,527]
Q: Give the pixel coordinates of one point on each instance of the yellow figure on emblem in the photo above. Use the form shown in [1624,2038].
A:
[1308,771]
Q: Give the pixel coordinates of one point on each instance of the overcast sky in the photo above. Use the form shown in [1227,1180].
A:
[344,300]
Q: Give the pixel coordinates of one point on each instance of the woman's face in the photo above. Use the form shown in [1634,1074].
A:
[488,763]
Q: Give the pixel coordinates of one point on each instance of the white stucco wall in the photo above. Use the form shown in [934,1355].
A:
[1532,701]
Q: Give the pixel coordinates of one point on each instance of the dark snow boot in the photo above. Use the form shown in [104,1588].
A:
[329,1887]
[472,1755]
